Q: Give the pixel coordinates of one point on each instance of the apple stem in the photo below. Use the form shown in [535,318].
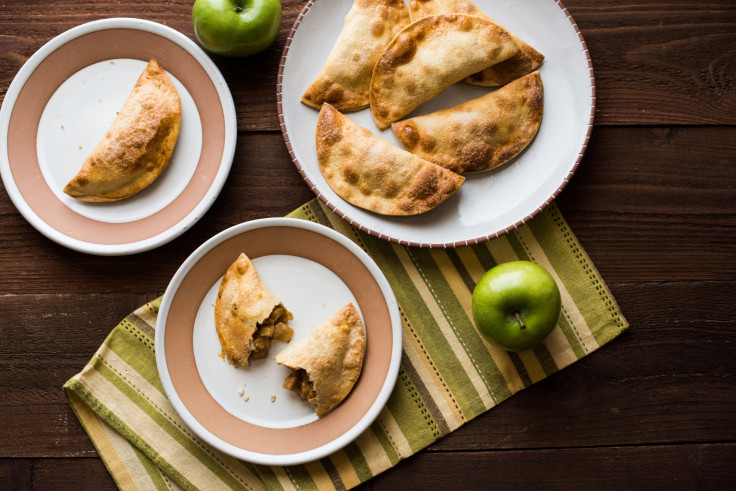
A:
[521,322]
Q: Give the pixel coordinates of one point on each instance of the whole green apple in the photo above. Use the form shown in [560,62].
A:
[516,305]
[236,27]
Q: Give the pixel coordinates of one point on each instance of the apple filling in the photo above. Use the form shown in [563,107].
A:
[274,327]
[299,382]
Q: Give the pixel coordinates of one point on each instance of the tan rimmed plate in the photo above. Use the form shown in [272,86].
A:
[244,411]
[65,97]
[488,204]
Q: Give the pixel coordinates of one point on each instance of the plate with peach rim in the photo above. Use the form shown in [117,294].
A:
[59,106]
[244,411]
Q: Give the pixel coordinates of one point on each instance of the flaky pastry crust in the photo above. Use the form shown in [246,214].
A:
[480,134]
[371,173]
[137,146]
[345,78]
[332,356]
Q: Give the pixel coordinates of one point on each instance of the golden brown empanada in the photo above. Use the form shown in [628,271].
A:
[138,145]
[248,315]
[428,56]
[326,364]
[371,173]
[479,134]
[523,62]
[345,78]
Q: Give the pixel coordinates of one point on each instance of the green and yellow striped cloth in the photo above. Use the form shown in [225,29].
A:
[448,376]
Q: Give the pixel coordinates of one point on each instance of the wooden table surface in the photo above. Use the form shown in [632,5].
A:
[653,203]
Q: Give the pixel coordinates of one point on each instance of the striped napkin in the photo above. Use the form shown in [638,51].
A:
[448,376]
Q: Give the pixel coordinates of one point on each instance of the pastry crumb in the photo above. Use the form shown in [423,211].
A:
[240,391]
[273,398]
[80,147]
[62,127]
[246,399]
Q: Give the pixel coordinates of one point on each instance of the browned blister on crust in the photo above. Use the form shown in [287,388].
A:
[523,62]
[137,146]
[327,362]
[480,134]
[371,173]
[428,56]
[345,78]
[247,314]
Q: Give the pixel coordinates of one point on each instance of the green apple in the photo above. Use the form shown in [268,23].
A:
[516,305]
[236,27]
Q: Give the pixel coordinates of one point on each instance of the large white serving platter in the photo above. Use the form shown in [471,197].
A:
[488,204]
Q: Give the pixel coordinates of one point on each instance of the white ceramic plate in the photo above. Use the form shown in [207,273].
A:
[488,204]
[314,271]
[65,97]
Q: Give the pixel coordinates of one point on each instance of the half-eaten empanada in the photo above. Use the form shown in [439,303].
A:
[138,145]
[345,78]
[327,363]
[369,172]
[479,134]
[523,62]
[428,56]
[248,315]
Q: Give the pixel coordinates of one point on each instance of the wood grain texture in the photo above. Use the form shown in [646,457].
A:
[653,204]
[692,466]
[658,63]
[658,467]
[55,474]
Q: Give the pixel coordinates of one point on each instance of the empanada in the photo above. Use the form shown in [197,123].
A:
[138,145]
[326,364]
[345,78]
[428,56]
[479,134]
[248,315]
[371,173]
[523,62]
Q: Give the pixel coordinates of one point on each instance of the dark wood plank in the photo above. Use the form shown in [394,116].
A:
[665,62]
[669,379]
[691,466]
[682,220]
[666,196]
[655,63]
[55,474]
[650,467]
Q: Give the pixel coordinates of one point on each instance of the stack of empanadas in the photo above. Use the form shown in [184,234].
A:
[445,42]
